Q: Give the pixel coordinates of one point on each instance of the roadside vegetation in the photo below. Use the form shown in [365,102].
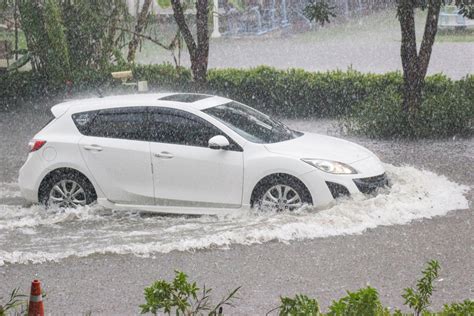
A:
[186,298]
[72,49]
[366,104]
[180,297]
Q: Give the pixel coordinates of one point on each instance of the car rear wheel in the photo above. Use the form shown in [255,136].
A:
[281,194]
[67,190]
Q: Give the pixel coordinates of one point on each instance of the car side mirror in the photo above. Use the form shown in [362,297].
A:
[219,142]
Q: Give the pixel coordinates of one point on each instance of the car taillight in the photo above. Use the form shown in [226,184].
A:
[36,144]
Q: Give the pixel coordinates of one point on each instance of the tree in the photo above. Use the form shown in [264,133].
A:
[198,49]
[44,31]
[414,62]
[141,22]
[65,37]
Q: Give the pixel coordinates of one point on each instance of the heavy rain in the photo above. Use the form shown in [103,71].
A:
[367,125]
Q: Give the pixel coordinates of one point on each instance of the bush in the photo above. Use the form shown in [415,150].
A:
[362,302]
[372,102]
[178,296]
[295,92]
[447,110]
[300,305]
[454,309]
[181,297]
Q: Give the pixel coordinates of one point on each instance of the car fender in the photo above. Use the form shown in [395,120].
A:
[77,167]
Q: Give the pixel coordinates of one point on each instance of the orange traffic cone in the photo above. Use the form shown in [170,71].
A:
[36,308]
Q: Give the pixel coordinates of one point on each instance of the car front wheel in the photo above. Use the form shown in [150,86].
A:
[282,194]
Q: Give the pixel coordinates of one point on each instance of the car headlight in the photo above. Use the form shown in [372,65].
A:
[330,166]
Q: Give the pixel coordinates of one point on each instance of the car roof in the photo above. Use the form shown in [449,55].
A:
[183,101]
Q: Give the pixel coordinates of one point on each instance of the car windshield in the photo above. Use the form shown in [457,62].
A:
[251,124]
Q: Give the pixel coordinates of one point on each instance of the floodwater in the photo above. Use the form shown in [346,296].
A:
[33,234]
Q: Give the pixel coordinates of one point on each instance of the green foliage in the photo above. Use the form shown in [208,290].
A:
[362,302]
[69,36]
[91,31]
[370,104]
[298,93]
[419,299]
[298,306]
[58,67]
[454,309]
[182,298]
[447,109]
[319,11]
[17,302]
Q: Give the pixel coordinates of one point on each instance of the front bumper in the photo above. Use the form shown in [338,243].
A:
[325,187]
[371,184]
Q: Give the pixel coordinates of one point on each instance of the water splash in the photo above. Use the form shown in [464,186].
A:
[35,235]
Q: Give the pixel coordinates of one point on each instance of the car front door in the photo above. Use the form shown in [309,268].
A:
[187,173]
[116,151]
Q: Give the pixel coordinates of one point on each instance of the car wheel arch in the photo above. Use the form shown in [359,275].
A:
[58,171]
[271,178]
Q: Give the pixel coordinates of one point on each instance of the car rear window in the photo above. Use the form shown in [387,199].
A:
[122,123]
[83,121]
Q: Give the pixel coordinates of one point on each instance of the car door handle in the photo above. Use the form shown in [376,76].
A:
[164,155]
[93,147]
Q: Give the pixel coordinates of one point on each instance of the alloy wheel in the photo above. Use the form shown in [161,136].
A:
[280,198]
[67,193]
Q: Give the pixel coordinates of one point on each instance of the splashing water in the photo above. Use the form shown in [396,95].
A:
[37,235]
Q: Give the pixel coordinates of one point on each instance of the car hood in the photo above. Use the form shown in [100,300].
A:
[317,146]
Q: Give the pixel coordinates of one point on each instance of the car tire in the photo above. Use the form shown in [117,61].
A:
[280,193]
[72,187]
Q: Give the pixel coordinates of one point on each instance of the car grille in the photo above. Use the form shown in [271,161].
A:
[369,185]
[337,190]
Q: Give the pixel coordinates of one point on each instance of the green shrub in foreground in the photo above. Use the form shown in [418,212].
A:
[17,303]
[181,298]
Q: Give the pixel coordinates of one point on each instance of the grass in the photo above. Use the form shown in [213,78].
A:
[460,36]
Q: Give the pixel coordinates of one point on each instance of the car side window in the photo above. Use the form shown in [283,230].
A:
[122,123]
[182,128]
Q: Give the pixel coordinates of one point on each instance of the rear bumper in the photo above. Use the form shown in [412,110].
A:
[30,176]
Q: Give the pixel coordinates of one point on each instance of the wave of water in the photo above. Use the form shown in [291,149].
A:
[35,235]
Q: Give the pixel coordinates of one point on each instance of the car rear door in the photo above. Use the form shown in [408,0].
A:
[186,172]
[117,153]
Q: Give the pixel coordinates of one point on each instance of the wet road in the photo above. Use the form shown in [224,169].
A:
[369,44]
[387,257]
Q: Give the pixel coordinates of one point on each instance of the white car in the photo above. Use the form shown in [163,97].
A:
[188,154]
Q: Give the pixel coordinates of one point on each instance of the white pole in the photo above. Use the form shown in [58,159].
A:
[215,32]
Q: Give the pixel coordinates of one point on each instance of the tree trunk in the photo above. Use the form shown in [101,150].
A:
[15,19]
[201,58]
[198,51]
[408,52]
[141,21]
[415,65]
[431,28]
